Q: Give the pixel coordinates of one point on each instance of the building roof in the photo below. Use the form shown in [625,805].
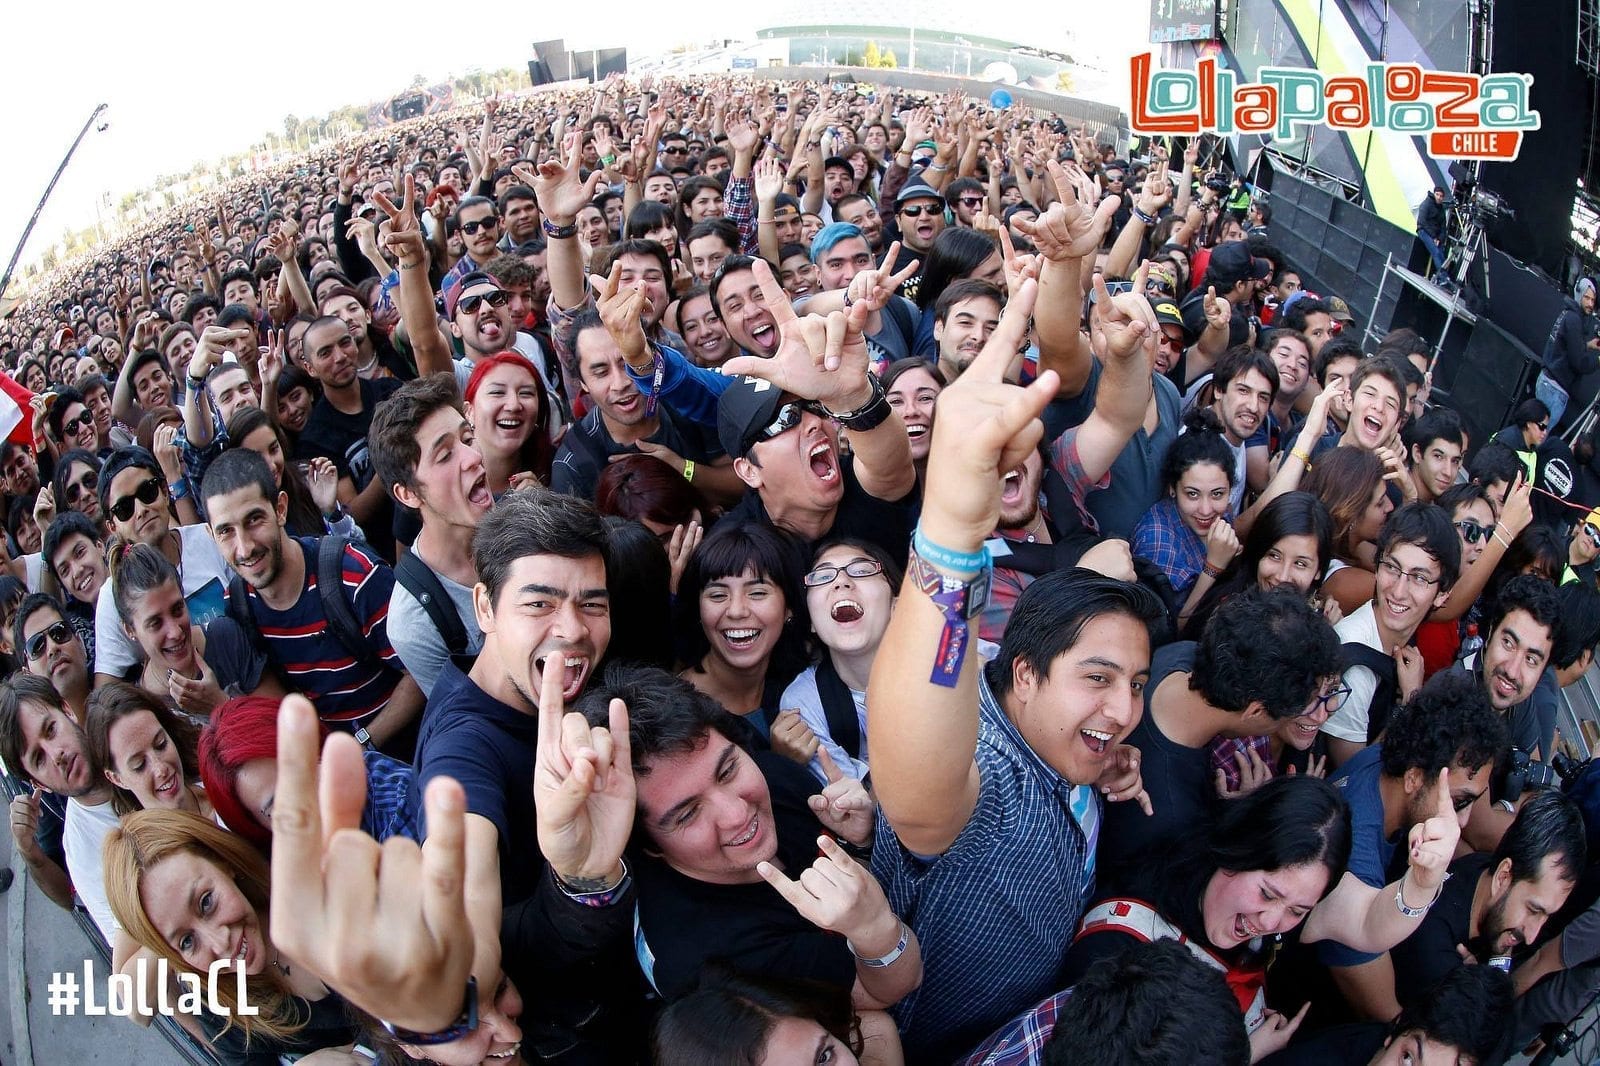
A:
[938,16]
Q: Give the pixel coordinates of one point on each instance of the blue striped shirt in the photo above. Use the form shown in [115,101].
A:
[346,692]
[996,913]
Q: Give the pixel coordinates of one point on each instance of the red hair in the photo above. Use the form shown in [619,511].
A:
[642,486]
[242,729]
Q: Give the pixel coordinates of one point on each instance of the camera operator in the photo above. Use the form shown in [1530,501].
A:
[1570,355]
[1430,230]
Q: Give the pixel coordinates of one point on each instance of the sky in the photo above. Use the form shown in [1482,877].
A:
[183,82]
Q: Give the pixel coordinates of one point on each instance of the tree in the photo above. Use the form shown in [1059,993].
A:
[889,62]
[291,127]
[871,57]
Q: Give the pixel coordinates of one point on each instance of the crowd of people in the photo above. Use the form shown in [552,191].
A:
[723,570]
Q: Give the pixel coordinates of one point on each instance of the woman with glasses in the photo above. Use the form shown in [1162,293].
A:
[742,642]
[1228,894]
[850,594]
[193,669]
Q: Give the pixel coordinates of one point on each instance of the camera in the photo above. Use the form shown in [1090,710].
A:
[1217,183]
[1519,772]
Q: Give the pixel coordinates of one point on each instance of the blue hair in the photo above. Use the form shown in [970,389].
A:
[832,234]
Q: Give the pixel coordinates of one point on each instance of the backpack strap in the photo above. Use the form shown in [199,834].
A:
[839,706]
[1382,666]
[336,608]
[238,609]
[415,577]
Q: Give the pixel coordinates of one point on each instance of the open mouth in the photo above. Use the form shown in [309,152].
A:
[916,431]
[1504,685]
[740,639]
[479,495]
[1011,489]
[510,425]
[1096,741]
[822,462]
[490,330]
[577,672]
[177,650]
[168,788]
[764,337]
[1372,427]
[1244,930]
[846,611]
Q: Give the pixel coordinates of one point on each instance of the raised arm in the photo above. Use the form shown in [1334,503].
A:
[417,310]
[923,733]
[562,194]
[1125,332]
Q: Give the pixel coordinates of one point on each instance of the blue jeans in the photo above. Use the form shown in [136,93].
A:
[1434,251]
[1552,396]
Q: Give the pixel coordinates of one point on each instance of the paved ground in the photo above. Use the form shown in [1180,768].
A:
[39,938]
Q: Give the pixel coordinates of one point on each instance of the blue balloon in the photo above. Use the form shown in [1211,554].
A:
[1000,99]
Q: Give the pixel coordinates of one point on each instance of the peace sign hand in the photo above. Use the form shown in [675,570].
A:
[1433,842]
[583,786]
[877,286]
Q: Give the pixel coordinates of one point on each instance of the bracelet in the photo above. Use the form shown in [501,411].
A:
[959,600]
[766,222]
[937,167]
[869,415]
[608,158]
[1416,912]
[883,960]
[1505,542]
[179,489]
[603,896]
[1148,220]
[1303,457]
[688,470]
[559,233]
[948,558]
[1213,572]
[465,1023]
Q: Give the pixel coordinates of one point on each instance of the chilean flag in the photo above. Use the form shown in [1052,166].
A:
[15,414]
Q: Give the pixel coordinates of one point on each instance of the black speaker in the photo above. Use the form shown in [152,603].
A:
[552,57]
[1490,377]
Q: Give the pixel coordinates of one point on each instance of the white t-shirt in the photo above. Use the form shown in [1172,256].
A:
[83,839]
[413,636]
[802,696]
[1350,721]
[202,564]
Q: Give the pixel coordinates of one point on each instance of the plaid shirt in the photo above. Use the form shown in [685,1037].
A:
[739,207]
[1223,749]
[1022,1040]
[1162,538]
[995,913]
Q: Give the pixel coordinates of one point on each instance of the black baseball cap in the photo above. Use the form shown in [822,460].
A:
[744,410]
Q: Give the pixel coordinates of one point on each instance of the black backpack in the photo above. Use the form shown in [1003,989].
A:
[1383,697]
[839,707]
[414,576]
[336,608]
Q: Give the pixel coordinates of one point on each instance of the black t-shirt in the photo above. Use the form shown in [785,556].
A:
[343,438]
[1178,779]
[685,923]
[1423,959]
[588,445]
[881,522]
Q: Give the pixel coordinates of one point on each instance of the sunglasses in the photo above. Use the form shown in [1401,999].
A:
[1473,532]
[60,634]
[675,151]
[496,298]
[827,575]
[971,201]
[147,493]
[1594,534]
[469,228]
[84,419]
[84,486]
[1541,425]
[789,416]
[918,210]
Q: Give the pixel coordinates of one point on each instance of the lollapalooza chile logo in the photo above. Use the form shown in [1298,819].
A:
[1463,116]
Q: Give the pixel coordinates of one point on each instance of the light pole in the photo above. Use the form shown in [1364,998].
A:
[5,281]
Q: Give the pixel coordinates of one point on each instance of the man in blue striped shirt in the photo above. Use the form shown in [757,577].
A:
[353,692]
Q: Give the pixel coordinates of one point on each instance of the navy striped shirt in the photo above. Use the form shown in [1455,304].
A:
[346,692]
[996,913]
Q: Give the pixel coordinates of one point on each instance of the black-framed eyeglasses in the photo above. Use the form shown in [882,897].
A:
[918,210]
[1416,577]
[60,633]
[469,228]
[1331,700]
[1472,532]
[857,568]
[788,416]
[494,298]
[148,492]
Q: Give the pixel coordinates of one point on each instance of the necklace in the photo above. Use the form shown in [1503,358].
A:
[1034,527]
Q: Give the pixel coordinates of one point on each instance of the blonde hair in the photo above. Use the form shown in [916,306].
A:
[146,838]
